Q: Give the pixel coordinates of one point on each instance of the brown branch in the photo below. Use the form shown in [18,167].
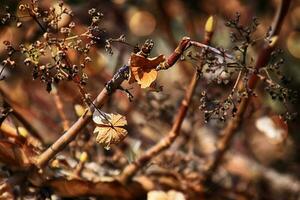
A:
[60,108]
[131,169]
[234,124]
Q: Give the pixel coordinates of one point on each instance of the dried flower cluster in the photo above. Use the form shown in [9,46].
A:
[49,57]
[220,68]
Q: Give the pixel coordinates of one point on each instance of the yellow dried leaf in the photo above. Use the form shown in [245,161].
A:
[111,130]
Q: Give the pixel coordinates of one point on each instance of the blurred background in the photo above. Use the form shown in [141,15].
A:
[150,114]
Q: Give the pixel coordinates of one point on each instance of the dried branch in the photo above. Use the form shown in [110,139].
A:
[234,124]
[131,169]
[60,108]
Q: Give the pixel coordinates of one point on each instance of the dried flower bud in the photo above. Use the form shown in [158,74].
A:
[92,11]
[209,25]
[46,36]
[61,54]
[72,25]
[5,42]
[42,51]
[19,24]
[273,41]
[42,67]
[65,30]
[83,156]
[22,132]
[27,61]
[22,7]
[60,3]
[87,59]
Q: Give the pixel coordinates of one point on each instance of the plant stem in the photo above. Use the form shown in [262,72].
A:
[60,108]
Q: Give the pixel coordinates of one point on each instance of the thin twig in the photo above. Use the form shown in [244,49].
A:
[60,108]
[33,16]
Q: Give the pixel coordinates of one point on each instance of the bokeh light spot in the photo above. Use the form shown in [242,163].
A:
[142,23]
[293,44]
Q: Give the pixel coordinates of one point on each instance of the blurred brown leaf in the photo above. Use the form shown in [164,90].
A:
[16,155]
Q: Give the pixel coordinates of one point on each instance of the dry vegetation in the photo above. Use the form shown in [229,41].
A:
[92,109]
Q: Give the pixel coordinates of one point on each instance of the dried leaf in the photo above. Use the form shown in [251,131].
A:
[77,188]
[143,70]
[110,128]
[16,155]
[19,24]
